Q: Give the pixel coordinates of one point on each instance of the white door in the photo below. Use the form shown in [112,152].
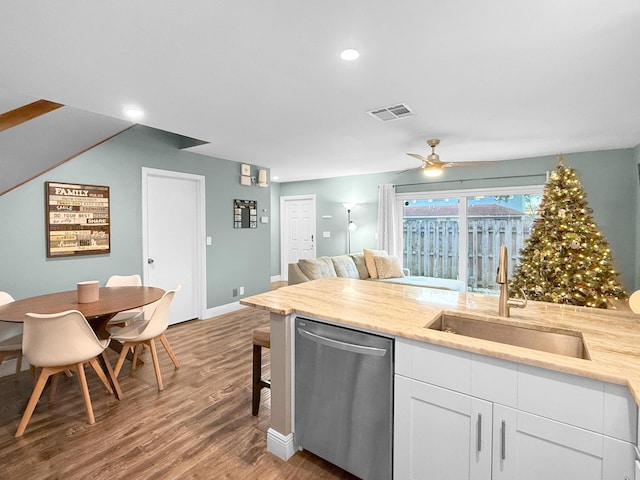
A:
[173,238]
[298,230]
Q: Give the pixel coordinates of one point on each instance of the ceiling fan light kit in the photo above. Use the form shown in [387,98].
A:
[432,171]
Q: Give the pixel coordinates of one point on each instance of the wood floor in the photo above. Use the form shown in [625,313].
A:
[199,427]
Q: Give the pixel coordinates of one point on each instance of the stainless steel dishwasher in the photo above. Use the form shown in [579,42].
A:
[344,397]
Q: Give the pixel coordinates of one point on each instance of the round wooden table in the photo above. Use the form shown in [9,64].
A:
[111,301]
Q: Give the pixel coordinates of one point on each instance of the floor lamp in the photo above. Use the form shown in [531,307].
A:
[350,225]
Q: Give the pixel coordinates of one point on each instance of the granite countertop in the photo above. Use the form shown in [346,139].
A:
[612,338]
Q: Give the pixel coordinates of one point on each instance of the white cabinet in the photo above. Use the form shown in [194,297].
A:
[466,416]
[440,434]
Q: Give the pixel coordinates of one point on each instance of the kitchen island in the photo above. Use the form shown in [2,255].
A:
[611,339]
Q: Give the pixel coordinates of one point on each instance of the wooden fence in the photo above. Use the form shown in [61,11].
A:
[431,247]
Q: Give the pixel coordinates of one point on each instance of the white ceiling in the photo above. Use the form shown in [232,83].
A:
[262,82]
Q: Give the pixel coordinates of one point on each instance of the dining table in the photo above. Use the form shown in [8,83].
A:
[111,300]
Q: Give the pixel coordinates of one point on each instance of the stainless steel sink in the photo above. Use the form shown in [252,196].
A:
[558,341]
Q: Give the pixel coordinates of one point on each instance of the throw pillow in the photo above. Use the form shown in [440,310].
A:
[345,267]
[358,259]
[314,268]
[370,262]
[388,267]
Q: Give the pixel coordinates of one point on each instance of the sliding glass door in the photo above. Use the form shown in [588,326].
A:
[431,237]
[433,245]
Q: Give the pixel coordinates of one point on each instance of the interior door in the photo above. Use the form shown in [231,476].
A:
[173,238]
[298,230]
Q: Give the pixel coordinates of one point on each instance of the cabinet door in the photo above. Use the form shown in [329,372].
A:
[528,447]
[440,434]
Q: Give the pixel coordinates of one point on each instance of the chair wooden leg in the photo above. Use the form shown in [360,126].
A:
[19,363]
[53,386]
[156,364]
[134,361]
[33,400]
[85,393]
[98,369]
[167,347]
[123,355]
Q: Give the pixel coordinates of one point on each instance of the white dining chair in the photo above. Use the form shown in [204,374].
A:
[122,318]
[10,337]
[634,301]
[144,332]
[58,342]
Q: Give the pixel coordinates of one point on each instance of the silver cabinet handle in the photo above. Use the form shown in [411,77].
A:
[350,347]
[503,443]
[479,433]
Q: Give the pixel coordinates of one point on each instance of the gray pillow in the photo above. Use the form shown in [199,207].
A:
[345,267]
[315,268]
[361,265]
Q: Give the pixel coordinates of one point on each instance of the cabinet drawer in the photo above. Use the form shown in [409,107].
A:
[442,366]
[583,402]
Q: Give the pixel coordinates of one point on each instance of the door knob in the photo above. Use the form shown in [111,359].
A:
[149,261]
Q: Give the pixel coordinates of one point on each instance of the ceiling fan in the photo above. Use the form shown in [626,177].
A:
[431,165]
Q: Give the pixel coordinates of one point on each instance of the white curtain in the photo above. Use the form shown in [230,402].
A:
[387,219]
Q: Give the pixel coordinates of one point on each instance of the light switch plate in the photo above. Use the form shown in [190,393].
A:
[326,234]
[244,180]
[264,219]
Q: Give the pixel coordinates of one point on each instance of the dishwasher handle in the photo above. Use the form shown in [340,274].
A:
[349,347]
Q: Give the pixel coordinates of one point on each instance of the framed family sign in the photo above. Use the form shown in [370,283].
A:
[77,219]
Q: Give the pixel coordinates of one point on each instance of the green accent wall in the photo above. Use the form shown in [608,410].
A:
[237,257]
[610,180]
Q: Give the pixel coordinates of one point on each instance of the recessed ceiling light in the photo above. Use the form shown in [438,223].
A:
[134,113]
[349,54]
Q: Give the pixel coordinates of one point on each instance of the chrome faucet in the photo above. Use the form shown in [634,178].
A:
[502,278]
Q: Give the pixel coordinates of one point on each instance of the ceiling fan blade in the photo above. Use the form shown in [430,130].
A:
[425,161]
[419,157]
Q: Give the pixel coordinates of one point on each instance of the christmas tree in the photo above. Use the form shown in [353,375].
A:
[566,259]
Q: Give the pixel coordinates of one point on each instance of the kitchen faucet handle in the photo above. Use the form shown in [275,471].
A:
[517,302]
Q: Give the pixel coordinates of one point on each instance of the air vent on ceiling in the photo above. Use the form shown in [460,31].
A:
[394,112]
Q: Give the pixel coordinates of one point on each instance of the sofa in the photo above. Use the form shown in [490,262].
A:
[372,265]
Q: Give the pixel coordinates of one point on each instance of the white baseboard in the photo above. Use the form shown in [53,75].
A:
[222,309]
[280,445]
[276,278]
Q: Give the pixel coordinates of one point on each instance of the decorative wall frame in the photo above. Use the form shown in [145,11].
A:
[77,219]
[245,214]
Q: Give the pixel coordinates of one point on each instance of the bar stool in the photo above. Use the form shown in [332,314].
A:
[261,338]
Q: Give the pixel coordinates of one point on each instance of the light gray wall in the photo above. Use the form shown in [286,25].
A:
[237,257]
[636,156]
[330,194]
[609,178]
